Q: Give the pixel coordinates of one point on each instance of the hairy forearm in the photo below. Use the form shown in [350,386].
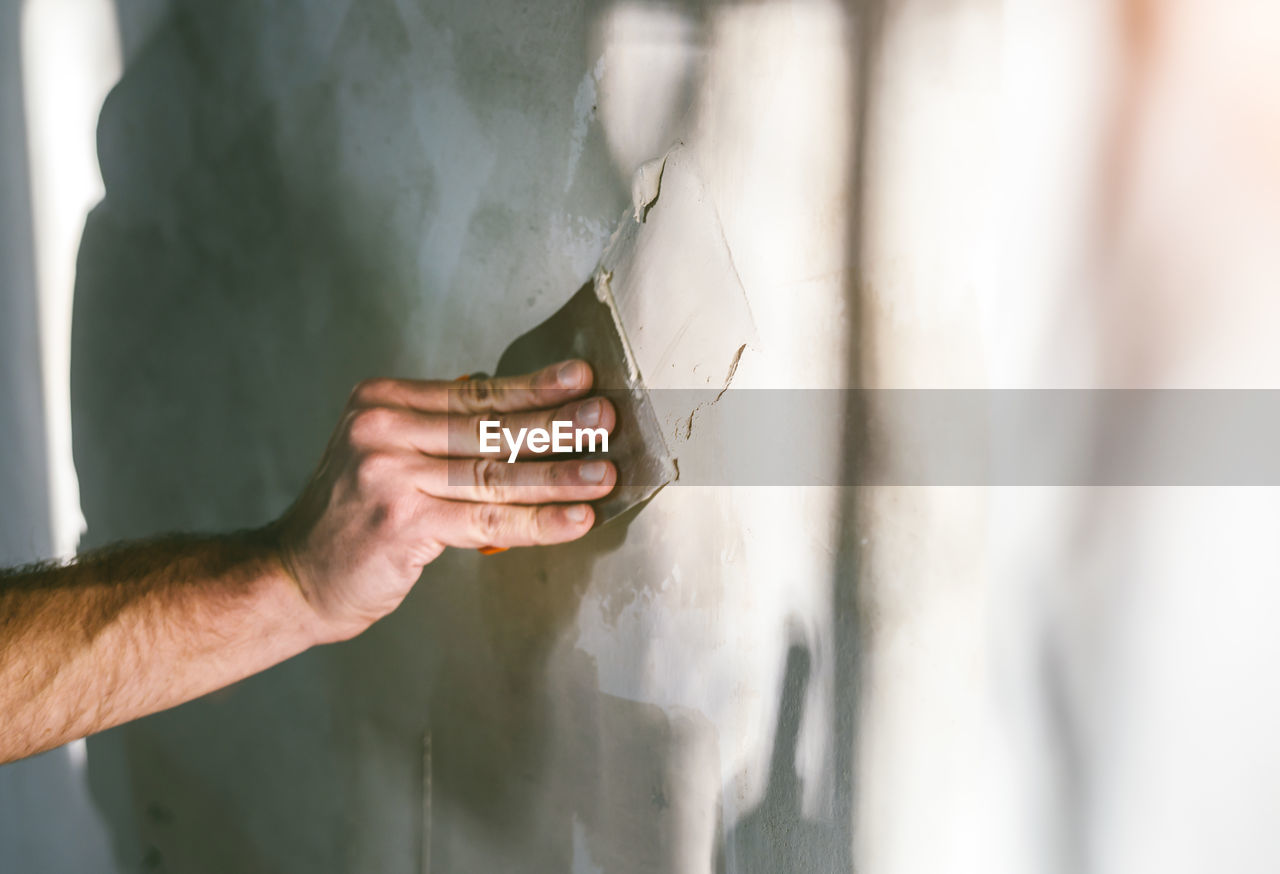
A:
[137,629]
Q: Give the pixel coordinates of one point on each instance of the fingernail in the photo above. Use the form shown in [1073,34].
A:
[571,374]
[588,413]
[576,513]
[592,471]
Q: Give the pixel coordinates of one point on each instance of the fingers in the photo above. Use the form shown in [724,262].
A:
[439,434]
[437,502]
[470,525]
[467,434]
[422,439]
[487,480]
[543,388]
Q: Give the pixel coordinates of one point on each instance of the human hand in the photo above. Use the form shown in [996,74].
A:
[402,478]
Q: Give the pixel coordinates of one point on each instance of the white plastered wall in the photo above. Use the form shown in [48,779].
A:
[1047,195]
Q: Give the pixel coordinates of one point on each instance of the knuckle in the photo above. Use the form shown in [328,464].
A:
[370,426]
[474,427]
[373,468]
[486,477]
[367,391]
[547,420]
[401,510]
[557,473]
[477,394]
[541,529]
[490,522]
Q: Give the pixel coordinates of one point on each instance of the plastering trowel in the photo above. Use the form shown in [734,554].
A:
[588,327]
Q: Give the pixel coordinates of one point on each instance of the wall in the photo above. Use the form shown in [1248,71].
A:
[302,196]
[902,194]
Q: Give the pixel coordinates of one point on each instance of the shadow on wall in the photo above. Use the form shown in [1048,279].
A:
[536,768]
[229,294]
[775,837]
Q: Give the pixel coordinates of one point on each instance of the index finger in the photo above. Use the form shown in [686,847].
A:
[547,387]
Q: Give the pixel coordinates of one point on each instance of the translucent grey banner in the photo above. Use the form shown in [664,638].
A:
[931,437]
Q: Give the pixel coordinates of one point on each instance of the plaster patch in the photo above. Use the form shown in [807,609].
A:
[646,185]
[674,283]
[605,293]
[728,381]
[675,291]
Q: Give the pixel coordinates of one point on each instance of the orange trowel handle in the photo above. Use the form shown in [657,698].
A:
[484,550]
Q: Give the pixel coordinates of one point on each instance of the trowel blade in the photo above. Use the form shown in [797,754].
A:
[585,328]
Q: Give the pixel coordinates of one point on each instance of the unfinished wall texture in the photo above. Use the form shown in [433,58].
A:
[897,194]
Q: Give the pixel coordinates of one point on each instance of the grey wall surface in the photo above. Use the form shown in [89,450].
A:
[303,195]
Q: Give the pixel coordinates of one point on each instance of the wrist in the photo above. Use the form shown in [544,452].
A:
[283,595]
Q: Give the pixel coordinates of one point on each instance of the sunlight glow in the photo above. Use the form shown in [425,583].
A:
[70,59]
